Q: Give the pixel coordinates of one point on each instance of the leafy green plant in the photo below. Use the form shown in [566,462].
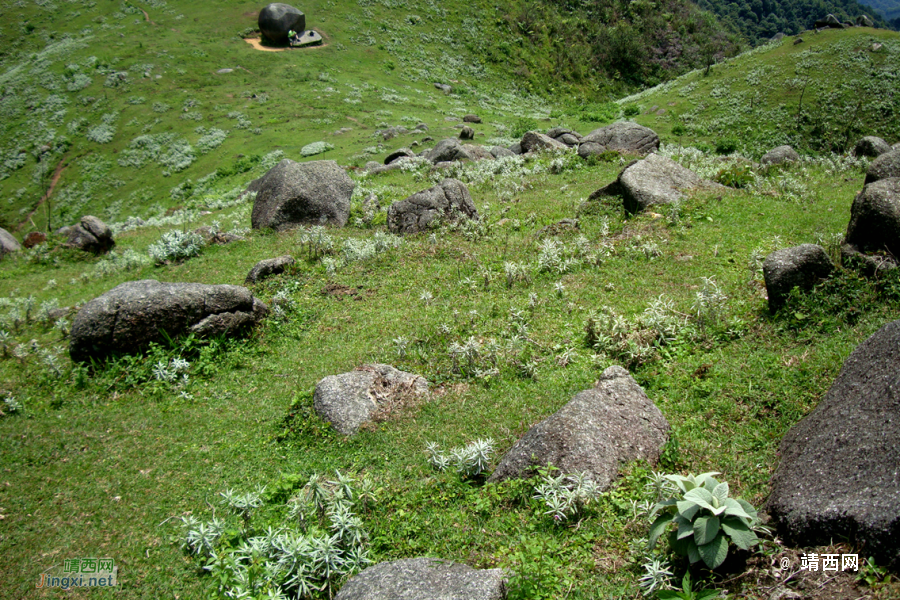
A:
[706,520]
[631,110]
[469,461]
[176,245]
[687,591]
[726,145]
[873,575]
[737,175]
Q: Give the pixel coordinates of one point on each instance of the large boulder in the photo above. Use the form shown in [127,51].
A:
[501,152]
[534,141]
[277,19]
[597,432]
[652,180]
[801,266]
[350,399]
[864,21]
[310,193]
[131,315]
[91,235]
[467,133]
[839,475]
[8,243]
[425,579]
[779,156]
[874,227]
[623,137]
[268,267]
[871,146]
[446,151]
[885,166]
[450,199]
[398,154]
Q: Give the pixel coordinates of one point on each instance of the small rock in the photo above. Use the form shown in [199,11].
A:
[471,119]
[398,154]
[223,71]
[443,87]
[779,156]
[350,399]
[500,152]
[801,266]
[446,150]
[8,243]
[467,133]
[267,268]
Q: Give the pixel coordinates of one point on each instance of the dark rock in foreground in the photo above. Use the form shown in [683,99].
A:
[839,475]
[131,315]
[620,137]
[450,199]
[425,579]
[596,433]
[291,194]
[801,266]
[277,19]
[350,399]
[873,233]
[267,268]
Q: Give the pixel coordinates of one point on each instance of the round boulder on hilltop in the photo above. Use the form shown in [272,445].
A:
[291,194]
[276,20]
[779,156]
[801,266]
[624,137]
[838,475]
[597,432]
[131,315]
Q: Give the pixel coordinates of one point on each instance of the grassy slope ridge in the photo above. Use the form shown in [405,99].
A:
[103,463]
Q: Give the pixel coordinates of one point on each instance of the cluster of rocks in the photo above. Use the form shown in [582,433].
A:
[448,200]
[90,234]
[832,22]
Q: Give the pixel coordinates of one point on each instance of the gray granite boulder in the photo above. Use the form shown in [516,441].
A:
[91,235]
[446,151]
[839,476]
[516,148]
[779,156]
[477,152]
[350,399]
[309,193]
[597,432]
[801,266]
[267,268]
[871,146]
[874,229]
[652,180]
[623,137]
[425,579]
[450,199]
[500,152]
[533,141]
[885,166]
[277,19]
[8,243]
[467,133]
[131,315]
[471,119]
[864,21]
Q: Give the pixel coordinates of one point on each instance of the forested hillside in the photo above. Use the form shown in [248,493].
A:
[761,19]
[889,8]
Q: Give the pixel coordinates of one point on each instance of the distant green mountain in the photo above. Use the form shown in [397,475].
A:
[761,19]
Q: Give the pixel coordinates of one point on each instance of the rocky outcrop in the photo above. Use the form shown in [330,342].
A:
[91,235]
[596,433]
[533,141]
[449,200]
[873,233]
[625,137]
[801,266]
[131,315]
[446,151]
[291,194]
[277,19]
[838,476]
[350,399]
[267,268]
[653,180]
[425,579]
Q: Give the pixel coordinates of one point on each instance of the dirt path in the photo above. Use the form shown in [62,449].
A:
[147,17]
[53,181]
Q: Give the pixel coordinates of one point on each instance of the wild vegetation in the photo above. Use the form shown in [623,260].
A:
[201,466]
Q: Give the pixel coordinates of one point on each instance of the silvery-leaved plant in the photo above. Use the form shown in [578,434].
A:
[706,519]
[469,461]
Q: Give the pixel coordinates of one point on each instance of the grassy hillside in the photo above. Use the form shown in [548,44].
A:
[508,318]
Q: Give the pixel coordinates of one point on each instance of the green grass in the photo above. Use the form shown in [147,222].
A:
[100,465]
